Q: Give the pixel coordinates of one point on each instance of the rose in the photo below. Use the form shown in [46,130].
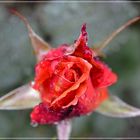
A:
[71,82]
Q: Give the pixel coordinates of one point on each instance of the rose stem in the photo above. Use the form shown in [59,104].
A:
[116,32]
[64,130]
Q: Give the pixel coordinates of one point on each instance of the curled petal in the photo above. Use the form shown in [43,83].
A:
[24,97]
[81,48]
[115,107]
[83,38]
[73,97]
[52,87]
[89,101]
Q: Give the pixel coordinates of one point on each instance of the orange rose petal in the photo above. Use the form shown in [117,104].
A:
[85,67]
[70,99]
[89,101]
[81,90]
[52,88]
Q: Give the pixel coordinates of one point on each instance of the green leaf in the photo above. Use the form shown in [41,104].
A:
[24,97]
[115,107]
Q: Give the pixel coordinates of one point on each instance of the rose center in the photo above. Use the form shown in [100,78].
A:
[73,74]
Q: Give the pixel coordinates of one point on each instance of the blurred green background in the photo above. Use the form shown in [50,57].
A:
[60,23]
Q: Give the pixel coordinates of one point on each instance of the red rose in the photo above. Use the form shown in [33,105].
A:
[71,82]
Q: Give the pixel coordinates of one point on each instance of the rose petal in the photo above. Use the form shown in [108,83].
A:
[54,87]
[101,75]
[83,38]
[57,52]
[73,97]
[90,100]
[81,48]
[44,70]
[42,115]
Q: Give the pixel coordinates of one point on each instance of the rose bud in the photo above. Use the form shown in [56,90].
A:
[71,82]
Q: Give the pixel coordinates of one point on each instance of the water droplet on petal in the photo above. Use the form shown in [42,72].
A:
[32,83]
[43,121]
[56,123]
[88,114]
[34,124]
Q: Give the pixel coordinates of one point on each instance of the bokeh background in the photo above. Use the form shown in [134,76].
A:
[60,23]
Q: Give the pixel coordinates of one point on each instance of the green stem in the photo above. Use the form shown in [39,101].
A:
[64,130]
[116,32]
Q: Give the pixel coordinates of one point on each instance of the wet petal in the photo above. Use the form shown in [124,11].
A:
[89,101]
[54,87]
[81,48]
[42,115]
[101,75]
[73,97]
[45,68]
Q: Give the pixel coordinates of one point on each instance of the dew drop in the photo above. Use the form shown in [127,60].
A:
[56,123]
[88,114]
[43,121]
[34,124]
[32,83]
